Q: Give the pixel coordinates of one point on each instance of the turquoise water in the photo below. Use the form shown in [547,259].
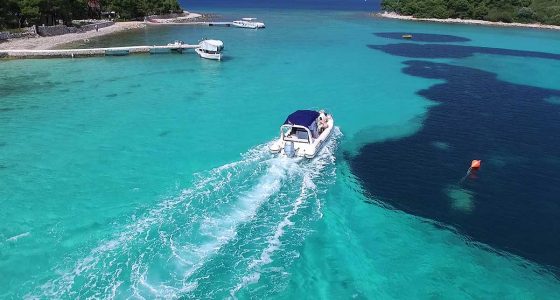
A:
[148,176]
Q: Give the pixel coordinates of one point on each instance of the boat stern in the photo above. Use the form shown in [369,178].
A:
[275,147]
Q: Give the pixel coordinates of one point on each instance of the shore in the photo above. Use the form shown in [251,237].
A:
[393,15]
[50,42]
[188,17]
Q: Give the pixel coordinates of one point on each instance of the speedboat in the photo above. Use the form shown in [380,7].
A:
[176,43]
[248,23]
[210,49]
[177,46]
[303,134]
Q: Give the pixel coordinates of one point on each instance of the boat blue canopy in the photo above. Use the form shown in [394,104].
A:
[302,118]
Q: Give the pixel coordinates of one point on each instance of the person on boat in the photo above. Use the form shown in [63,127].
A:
[323,121]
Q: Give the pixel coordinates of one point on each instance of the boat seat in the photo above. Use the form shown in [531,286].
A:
[302,135]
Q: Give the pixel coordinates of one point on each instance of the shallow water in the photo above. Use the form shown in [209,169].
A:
[147,176]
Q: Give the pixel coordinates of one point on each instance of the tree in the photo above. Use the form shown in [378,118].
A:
[30,9]
[459,8]
[478,12]
[10,14]
[555,20]
[497,15]
[13,13]
[411,8]
[390,5]
[525,14]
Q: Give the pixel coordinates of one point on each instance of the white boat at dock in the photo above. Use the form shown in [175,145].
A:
[210,49]
[248,23]
[303,134]
[176,46]
[176,43]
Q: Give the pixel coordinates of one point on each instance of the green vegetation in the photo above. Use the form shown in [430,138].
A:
[134,9]
[522,11]
[18,13]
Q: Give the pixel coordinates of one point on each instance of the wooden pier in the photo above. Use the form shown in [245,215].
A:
[111,51]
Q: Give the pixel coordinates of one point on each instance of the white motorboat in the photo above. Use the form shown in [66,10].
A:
[177,46]
[248,23]
[303,134]
[210,49]
[176,43]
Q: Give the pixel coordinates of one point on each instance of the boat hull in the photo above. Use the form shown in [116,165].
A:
[245,26]
[249,25]
[212,56]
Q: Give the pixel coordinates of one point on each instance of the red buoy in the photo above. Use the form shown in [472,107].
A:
[475,164]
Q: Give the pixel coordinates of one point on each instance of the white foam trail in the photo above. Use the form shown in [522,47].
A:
[308,188]
[217,229]
[182,233]
[223,229]
[274,242]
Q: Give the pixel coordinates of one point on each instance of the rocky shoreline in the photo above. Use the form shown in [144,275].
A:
[185,18]
[393,15]
[51,42]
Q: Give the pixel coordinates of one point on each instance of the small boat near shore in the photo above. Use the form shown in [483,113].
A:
[210,49]
[303,134]
[179,44]
[176,43]
[248,23]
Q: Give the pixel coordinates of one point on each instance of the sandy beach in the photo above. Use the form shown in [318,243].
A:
[392,15]
[44,43]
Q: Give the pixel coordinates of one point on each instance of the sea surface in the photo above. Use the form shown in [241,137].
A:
[149,177]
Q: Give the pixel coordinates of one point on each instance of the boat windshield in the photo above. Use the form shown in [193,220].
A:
[295,134]
[210,51]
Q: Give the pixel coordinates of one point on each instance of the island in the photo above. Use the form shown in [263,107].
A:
[515,12]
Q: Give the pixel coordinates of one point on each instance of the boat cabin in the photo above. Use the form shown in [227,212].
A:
[211,46]
[248,23]
[303,134]
[300,127]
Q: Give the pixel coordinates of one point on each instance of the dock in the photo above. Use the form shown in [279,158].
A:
[227,24]
[203,23]
[89,52]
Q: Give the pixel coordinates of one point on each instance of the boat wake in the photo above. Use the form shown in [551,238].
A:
[216,238]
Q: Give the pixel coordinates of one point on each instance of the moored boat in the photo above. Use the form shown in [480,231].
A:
[303,134]
[248,23]
[210,49]
[177,46]
[176,43]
